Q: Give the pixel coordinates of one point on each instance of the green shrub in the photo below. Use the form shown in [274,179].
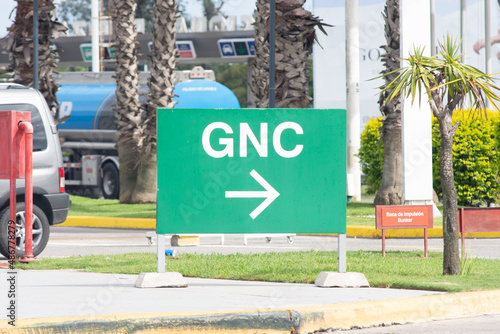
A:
[475,157]
[371,154]
[476,162]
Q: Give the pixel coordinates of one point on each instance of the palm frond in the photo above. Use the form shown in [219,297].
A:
[443,73]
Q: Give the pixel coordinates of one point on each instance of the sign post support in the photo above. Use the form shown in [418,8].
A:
[160,253]
[342,251]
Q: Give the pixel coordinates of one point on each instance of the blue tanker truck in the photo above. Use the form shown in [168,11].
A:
[88,136]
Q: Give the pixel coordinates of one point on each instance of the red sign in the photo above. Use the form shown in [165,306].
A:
[403,216]
[186,54]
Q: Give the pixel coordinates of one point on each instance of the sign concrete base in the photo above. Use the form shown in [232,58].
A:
[328,279]
[161,280]
[184,240]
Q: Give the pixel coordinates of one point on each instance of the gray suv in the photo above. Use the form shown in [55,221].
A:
[50,202]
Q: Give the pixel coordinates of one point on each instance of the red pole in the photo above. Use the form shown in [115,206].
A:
[12,222]
[425,243]
[462,229]
[383,242]
[28,197]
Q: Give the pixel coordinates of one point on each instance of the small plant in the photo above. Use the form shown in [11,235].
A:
[475,157]
[466,264]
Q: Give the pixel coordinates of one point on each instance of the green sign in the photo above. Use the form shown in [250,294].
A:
[86,50]
[241,48]
[251,171]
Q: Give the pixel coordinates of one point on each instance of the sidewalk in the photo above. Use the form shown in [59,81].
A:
[76,302]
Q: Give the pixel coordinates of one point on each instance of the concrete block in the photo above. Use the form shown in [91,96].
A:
[184,240]
[161,280]
[328,279]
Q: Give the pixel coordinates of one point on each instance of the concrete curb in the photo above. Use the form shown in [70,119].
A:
[110,222]
[352,231]
[298,320]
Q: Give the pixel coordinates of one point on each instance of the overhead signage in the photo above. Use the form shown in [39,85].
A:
[185,48]
[86,50]
[251,171]
[236,47]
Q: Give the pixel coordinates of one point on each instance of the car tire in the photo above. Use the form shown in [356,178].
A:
[110,181]
[41,230]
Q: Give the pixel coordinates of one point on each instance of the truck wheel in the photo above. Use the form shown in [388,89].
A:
[110,182]
[41,230]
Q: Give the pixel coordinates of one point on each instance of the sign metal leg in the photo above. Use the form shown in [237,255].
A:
[342,253]
[383,242]
[425,243]
[160,253]
[160,279]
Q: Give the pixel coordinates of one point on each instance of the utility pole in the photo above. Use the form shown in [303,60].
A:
[433,27]
[96,54]
[463,22]
[272,54]
[35,44]
[487,40]
[352,100]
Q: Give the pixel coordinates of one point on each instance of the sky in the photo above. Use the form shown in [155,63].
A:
[232,7]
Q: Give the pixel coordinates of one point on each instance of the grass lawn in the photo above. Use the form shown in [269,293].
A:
[358,213]
[407,270]
[84,206]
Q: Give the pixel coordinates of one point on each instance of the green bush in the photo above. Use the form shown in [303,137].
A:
[475,157]
[476,162]
[371,154]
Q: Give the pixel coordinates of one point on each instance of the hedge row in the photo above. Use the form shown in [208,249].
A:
[371,154]
[476,153]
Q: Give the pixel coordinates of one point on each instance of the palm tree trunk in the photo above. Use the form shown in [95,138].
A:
[451,253]
[19,43]
[127,96]
[260,65]
[294,40]
[390,191]
[161,94]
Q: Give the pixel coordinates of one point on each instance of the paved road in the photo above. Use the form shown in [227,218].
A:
[478,325]
[67,241]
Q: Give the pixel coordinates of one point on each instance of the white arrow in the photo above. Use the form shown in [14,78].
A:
[270,194]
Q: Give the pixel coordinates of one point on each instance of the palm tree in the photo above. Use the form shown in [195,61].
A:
[295,36]
[211,9]
[390,191]
[260,65]
[161,94]
[448,84]
[127,96]
[19,43]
